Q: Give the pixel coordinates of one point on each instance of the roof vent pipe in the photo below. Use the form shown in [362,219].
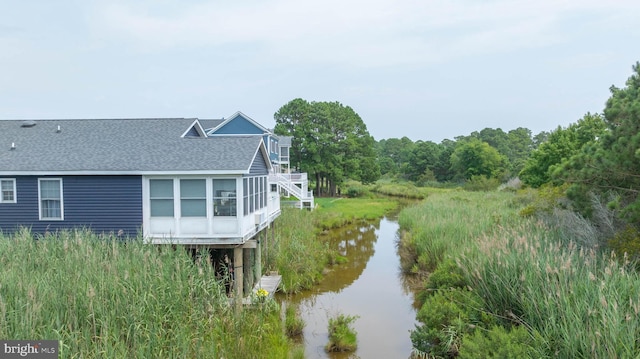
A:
[58,130]
[13,145]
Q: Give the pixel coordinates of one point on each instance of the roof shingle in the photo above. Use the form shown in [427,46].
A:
[149,145]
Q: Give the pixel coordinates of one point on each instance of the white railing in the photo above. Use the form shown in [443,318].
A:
[289,181]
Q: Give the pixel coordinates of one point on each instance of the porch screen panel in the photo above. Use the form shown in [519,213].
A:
[161,196]
[193,197]
[224,197]
[245,195]
[262,192]
[252,192]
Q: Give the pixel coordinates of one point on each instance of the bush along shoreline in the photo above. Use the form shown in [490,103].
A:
[505,286]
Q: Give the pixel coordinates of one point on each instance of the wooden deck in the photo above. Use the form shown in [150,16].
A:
[269,283]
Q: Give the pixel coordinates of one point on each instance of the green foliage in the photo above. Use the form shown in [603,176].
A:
[393,154]
[574,301]
[481,183]
[476,158]
[544,200]
[626,244]
[448,315]
[582,303]
[403,189]
[101,297]
[447,275]
[354,189]
[293,324]
[436,228]
[560,146]
[294,234]
[336,212]
[422,160]
[500,343]
[613,161]
[330,141]
[342,337]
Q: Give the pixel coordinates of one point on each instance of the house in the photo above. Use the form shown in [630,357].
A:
[288,182]
[179,181]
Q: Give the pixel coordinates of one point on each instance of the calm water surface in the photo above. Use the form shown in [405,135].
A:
[370,286]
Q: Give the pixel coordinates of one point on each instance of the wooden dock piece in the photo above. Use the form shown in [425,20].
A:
[269,283]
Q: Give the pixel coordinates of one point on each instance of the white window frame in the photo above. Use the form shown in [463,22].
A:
[15,193]
[61,218]
[183,197]
[172,198]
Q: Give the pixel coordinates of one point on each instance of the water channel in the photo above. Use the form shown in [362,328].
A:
[371,286]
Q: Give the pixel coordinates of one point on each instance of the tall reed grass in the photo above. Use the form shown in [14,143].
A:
[577,301]
[295,251]
[448,222]
[584,303]
[104,298]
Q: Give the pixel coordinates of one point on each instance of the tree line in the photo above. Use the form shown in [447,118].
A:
[596,157]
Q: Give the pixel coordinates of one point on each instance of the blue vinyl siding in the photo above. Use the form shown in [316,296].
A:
[239,126]
[259,166]
[193,132]
[100,203]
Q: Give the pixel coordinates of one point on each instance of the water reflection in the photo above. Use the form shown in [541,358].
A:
[370,285]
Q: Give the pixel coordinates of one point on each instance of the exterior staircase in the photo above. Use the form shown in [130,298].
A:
[296,184]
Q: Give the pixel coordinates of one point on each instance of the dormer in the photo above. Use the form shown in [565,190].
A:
[195,131]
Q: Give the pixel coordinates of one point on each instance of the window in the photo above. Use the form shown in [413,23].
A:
[50,198]
[245,195]
[252,194]
[263,197]
[8,190]
[161,195]
[224,197]
[193,197]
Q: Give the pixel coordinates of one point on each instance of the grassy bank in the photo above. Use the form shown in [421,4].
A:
[102,298]
[504,286]
[300,231]
[337,212]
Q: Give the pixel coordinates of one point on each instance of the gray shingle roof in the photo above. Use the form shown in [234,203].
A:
[120,146]
[208,124]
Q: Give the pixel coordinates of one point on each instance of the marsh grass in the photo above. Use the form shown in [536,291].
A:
[404,190]
[294,324]
[447,222]
[342,337]
[295,251]
[104,298]
[575,299]
[584,303]
[337,212]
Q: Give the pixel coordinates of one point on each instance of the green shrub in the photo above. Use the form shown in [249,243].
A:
[447,316]
[544,200]
[341,336]
[481,184]
[353,189]
[626,244]
[447,275]
[500,343]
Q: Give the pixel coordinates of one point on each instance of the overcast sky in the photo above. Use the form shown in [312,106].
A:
[425,69]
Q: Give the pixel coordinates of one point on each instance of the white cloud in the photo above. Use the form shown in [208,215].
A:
[352,33]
